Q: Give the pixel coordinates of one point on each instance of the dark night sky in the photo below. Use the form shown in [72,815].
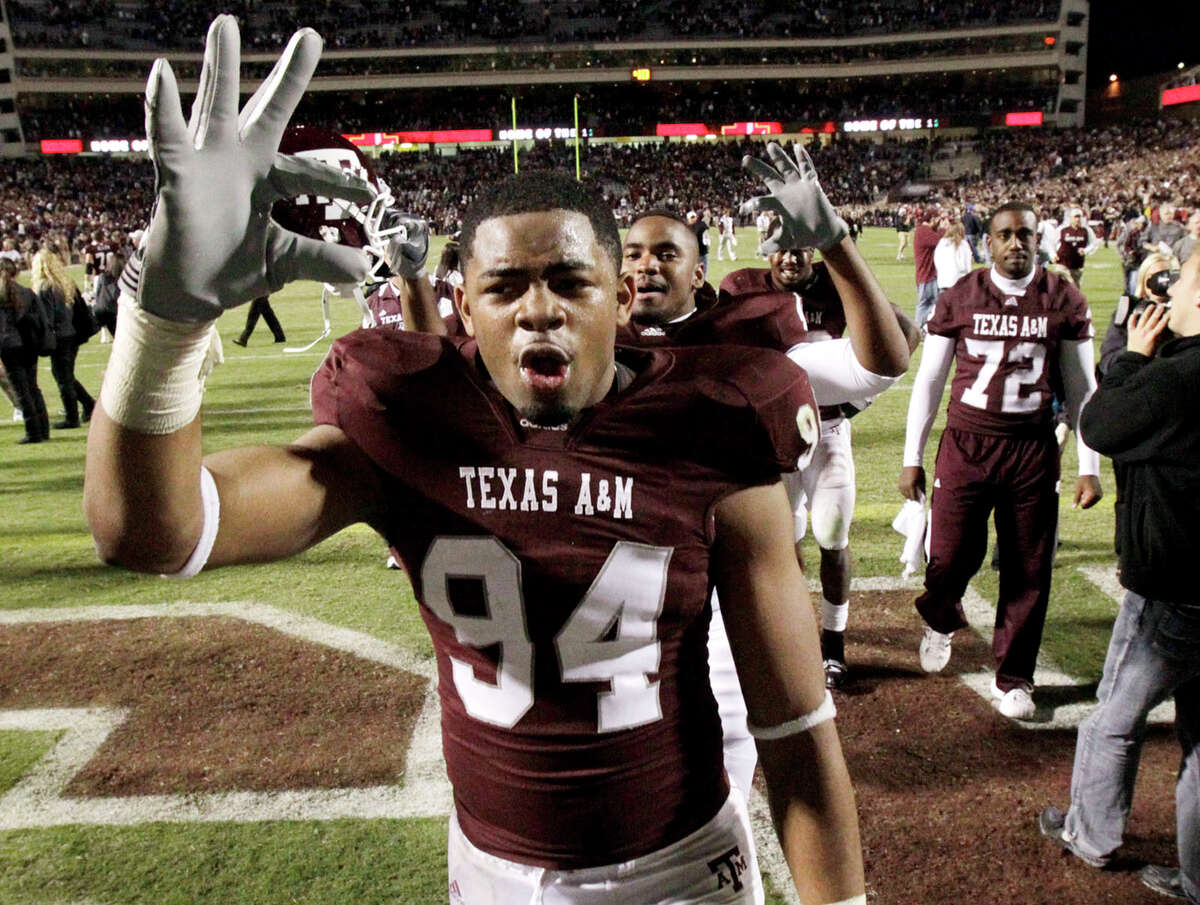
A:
[1129,40]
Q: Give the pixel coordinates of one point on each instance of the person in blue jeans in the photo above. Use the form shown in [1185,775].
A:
[1144,415]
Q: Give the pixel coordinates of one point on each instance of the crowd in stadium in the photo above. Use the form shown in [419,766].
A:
[401,23]
[612,110]
[1118,172]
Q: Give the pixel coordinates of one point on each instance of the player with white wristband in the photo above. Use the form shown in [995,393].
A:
[591,495]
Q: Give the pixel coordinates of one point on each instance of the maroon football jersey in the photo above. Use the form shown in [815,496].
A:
[1072,240]
[753,315]
[564,575]
[1007,349]
[786,317]
[384,303]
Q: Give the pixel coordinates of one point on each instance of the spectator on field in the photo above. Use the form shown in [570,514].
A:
[60,295]
[1135,417]
[952,257]
[1164,232]
[973,231]
[925,239]
[1129,247]
[19,352]
[261,307]
[1146,290]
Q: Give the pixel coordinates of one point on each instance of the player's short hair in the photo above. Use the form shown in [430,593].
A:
[669,215]
[1023,207]
[541,190]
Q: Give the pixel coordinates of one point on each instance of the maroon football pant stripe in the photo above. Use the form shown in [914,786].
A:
[1016,478]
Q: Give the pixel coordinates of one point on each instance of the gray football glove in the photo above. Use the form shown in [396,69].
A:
[211,243]
[402,240]
[806,218]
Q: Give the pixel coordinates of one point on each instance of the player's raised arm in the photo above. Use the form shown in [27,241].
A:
[773,634]
[807,219]
[211,245]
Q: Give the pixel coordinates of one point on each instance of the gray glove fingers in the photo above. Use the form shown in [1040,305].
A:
[291,256]
[271,106]
[805,162]
[215,110]
[772,243]
[764,171]
[771,203]
[166,129]
[783,163]
[291,176]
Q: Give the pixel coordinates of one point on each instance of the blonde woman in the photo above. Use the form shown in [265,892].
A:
[1144,291]
[952,256]
[51,281]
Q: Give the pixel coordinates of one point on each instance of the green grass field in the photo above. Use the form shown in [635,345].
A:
[260,395]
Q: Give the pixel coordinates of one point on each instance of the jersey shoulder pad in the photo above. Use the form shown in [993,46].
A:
[371,372]
[747,281]
[752,413]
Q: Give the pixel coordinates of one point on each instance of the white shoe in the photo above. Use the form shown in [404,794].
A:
[18,415]
[1016,703]
[392,563]
[935,650]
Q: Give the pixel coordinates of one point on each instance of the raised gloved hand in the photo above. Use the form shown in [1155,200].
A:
[211,243]
[806,218]
[403,240]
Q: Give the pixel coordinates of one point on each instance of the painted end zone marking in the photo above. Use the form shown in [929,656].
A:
[36,800]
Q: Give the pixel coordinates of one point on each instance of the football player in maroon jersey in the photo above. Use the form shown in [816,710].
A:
[585,498]
[786,307]
[825,490]
[1017,335]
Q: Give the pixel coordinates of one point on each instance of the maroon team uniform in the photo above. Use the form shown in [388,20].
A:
[1072,240]
[565,582]
[998,452]
[782,317]
[384,303]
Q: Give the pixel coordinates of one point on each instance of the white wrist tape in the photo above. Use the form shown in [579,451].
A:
[826,711]
[208,533]
[152,383]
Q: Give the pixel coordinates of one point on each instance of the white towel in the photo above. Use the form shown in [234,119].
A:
[911,522]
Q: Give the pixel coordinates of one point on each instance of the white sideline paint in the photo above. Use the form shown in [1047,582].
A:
[982,617]
[37,801]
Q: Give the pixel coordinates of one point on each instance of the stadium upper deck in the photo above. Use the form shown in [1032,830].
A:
[394,65]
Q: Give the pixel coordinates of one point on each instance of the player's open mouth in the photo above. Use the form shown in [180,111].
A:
[544,367]
[650,290]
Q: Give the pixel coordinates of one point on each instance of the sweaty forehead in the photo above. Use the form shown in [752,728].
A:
[534,241]
[654,231]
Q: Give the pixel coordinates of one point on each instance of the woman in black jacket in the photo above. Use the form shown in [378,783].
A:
[18,351]
[51,280]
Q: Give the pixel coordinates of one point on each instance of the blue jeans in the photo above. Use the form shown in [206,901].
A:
[927,294]
[1154,652]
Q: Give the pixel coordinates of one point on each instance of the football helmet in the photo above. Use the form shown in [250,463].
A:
[395,242]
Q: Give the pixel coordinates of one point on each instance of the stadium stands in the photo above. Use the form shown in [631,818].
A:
[1098,169]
